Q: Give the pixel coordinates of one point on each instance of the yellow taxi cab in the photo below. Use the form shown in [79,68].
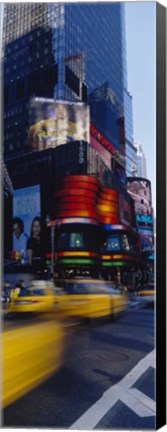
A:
[30,354]
[147,295]
[118,299]
[38,297]
[89,298]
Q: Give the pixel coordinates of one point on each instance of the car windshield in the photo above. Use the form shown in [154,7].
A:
[37,292]
[24,292]
[112,290]
[87,288]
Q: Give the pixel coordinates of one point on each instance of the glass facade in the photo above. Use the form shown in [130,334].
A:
[131,162]
[96,45]
[105,114]
[58,50]
[130,149]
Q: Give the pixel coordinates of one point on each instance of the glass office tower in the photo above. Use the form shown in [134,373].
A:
[130,149]
[58,50]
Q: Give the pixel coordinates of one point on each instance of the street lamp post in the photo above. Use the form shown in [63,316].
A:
[52,250]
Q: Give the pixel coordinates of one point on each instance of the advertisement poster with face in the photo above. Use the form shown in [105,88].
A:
[52,123]
[26,218]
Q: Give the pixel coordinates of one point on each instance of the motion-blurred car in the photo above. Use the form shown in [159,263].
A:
[147,295]
[91,299]
[39,297]
[30,354]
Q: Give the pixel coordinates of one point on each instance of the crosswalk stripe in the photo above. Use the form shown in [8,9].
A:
[115,393]
[147,404]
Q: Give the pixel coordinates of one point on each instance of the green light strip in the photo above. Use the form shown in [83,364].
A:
[75,261]
[112,264]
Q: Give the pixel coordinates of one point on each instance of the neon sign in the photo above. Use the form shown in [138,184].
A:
[144,219]
[96,134]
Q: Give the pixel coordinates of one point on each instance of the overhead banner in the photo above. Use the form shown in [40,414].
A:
[52,123]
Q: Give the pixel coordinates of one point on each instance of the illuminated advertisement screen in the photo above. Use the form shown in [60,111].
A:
[140,190]
[144,220]
[105,155]
[147,240]
[52,123]
[26,215]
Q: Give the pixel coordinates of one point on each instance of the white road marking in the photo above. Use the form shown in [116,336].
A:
[139,403]
[154,364]
[120,391]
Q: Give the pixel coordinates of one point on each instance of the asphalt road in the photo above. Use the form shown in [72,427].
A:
[107,380]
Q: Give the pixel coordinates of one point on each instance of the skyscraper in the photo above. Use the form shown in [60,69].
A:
[130,149]
[61,51]
[141,161]
[57,57]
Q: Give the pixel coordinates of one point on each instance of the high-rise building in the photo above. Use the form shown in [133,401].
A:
[141,161]
[57,59]
[130,149]
[61,51]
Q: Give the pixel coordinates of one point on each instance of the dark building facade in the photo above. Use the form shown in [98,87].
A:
[93,215]
[55,55]
[59,51]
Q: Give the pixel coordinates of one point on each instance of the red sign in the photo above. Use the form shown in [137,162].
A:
[96,134]
[100,149]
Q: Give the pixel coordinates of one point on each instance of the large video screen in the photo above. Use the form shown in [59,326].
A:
[147,241]
[52,123]
[26,217]
[140,191]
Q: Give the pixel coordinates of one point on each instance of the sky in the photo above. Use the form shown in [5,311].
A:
[140,20]
[141,62]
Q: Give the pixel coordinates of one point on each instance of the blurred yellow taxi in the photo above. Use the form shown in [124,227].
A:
[118,299]
[89,298]
[74,298]
[30,354]
[147,295]
[39,297]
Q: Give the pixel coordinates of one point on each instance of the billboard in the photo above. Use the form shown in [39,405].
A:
[52,123]
[147,240]
[140,190]
[105,154]
[26,210]
[112,158]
